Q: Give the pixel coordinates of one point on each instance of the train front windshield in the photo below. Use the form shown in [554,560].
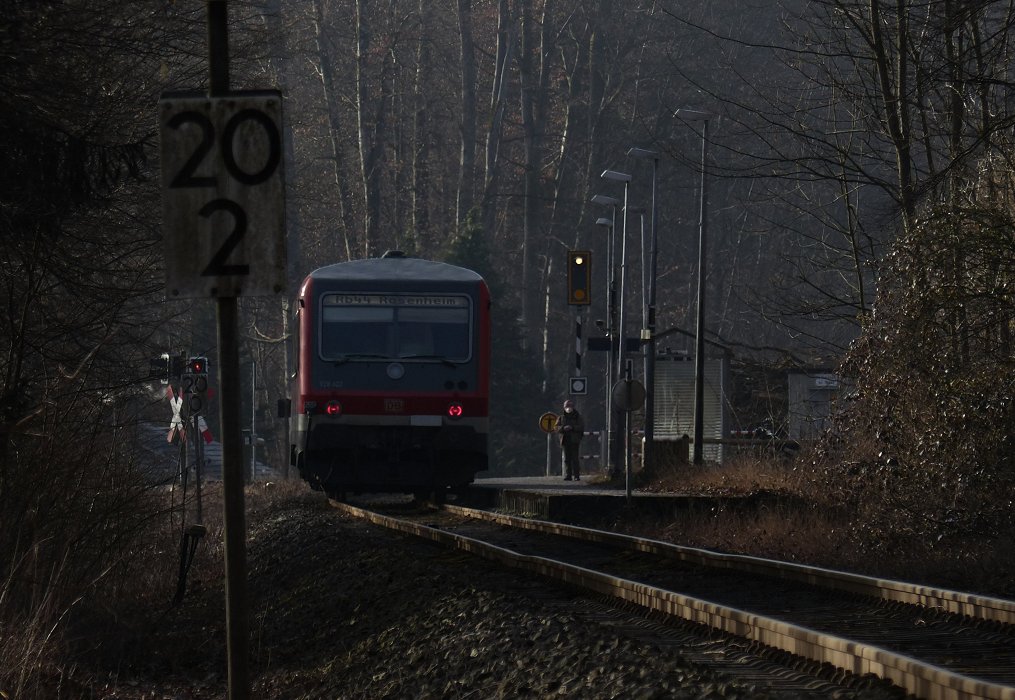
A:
[395,327]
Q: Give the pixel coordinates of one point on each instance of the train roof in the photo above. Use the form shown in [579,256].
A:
[395,267]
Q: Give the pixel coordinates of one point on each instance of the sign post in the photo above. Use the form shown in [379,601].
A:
[548,423]
[628,396]
[223,211]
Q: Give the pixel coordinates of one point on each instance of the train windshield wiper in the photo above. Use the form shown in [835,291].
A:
[442,359]
[342,359]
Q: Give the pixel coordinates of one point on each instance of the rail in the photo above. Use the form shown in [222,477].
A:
[916,676]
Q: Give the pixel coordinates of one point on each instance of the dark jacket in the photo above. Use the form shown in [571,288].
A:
[574,421]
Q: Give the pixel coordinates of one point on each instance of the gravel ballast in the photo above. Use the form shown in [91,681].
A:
[344,609]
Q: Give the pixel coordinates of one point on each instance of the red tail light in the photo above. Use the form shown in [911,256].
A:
[334,408]
[455,410]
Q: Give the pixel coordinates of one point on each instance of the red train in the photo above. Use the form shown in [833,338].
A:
[391,384]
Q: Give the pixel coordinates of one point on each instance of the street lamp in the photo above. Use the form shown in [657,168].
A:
[699,335]
[611,318]
[611,282]
[617,176]
[649,329]
[626,179]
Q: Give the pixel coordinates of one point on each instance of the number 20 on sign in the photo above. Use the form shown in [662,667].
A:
[223,191]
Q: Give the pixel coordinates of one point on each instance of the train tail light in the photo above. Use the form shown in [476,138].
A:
[334,408]
[455,410]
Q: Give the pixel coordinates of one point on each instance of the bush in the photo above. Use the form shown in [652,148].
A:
[925,450]
[76,527]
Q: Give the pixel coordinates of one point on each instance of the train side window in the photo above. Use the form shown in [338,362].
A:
[294,339]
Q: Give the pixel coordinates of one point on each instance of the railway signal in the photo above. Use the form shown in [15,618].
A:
[579,277]
[195,383]
[166,367]
[159,368]
[175,367]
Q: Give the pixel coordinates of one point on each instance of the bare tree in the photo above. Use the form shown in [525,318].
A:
[467,128]
[506,39]
[80,290]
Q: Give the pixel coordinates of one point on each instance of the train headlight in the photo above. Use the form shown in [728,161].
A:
[334,408]
[455,410]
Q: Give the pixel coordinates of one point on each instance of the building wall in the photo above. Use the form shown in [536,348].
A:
[811,396]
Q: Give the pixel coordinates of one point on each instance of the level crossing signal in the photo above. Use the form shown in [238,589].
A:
[195,384]
[579,277]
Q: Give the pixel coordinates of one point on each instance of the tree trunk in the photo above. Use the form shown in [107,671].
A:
[534,100]
[491,178]
[893,97]
[371,130]
[420,146]
[328,88]
[467,128]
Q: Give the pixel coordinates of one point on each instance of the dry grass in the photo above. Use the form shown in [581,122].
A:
[53,629]
[788,514]
[740,475]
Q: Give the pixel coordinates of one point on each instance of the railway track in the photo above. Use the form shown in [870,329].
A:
[932,643]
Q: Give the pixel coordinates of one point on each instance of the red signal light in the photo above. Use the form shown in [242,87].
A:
[455,410]
[334,408]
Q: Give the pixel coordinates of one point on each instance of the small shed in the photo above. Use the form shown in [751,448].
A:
[674,401]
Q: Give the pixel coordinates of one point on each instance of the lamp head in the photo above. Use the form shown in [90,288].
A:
[605,200]
[692,115]
[616,176]
[636,152]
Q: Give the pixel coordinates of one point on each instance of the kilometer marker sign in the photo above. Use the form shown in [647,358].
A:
[223,205]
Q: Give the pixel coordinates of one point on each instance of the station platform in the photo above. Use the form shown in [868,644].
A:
[586,501]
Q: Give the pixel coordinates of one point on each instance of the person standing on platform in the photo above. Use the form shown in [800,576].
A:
[571,428]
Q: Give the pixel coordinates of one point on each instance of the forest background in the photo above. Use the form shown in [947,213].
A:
[860,167]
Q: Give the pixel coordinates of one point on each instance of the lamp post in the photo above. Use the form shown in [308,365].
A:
[610,225]
[648,332]
[611,281]
[616,176]
[699,334]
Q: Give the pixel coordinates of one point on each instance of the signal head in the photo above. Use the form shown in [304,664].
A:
[579,277]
